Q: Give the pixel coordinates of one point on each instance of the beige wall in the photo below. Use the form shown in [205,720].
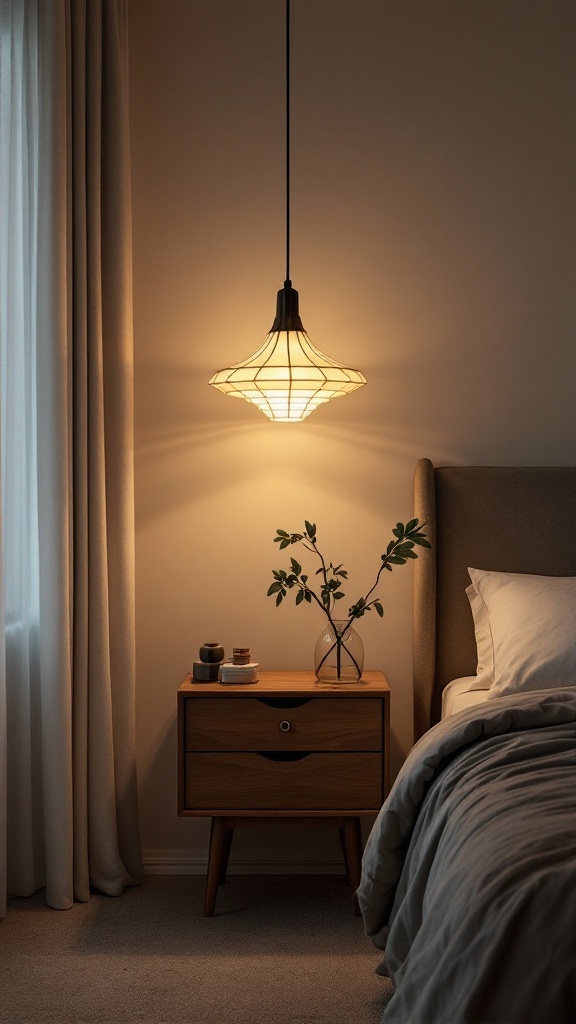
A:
[434,227]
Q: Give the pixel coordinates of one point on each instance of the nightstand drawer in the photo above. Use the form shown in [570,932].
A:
[251,723]
[251,781]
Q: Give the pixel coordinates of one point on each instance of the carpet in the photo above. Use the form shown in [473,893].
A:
[280,950]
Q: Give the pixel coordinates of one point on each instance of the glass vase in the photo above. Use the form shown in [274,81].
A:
[339,654]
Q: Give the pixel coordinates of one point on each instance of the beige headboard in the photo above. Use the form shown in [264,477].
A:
[490,517]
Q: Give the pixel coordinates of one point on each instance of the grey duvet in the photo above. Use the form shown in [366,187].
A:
[469,874]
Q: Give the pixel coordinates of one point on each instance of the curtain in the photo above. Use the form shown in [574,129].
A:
[68,806]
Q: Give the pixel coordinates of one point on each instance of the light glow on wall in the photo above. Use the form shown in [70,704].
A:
[287,377]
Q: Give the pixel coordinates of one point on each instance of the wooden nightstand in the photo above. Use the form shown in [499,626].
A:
[283,749]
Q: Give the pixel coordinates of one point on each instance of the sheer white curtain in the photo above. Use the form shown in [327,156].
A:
[68,811]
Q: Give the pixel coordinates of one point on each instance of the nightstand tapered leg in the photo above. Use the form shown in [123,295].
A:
[216,858]
[353,846]
[226,857]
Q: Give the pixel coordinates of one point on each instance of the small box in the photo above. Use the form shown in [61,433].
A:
[230,673]
[205,672]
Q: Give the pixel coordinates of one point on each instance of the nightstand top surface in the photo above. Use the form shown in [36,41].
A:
[285,681]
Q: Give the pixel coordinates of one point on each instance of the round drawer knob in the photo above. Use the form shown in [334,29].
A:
[285,726]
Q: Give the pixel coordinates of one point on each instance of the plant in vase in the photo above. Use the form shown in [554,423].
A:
[339,652]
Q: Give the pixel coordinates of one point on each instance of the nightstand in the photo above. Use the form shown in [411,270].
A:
[283,750]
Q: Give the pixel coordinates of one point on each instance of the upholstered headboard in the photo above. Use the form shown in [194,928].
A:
[490,517]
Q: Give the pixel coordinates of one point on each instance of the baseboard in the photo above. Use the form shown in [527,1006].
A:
[181,862]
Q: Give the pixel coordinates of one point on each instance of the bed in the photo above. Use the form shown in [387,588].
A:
[469,873]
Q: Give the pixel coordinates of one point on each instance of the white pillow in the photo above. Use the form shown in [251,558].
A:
[525,631]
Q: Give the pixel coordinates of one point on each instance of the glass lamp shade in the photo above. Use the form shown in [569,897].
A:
[287,377]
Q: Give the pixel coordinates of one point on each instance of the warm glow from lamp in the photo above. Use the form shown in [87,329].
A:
[287,377]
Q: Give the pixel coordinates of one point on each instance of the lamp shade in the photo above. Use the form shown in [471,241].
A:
[287,377]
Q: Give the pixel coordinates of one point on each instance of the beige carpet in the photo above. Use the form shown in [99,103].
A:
[280,950]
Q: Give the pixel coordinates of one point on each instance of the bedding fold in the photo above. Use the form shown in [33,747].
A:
[469,874]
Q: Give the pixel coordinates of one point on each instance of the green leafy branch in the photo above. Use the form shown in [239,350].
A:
[399,551]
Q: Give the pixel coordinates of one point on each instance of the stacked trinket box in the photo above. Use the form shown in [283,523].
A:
[241,669]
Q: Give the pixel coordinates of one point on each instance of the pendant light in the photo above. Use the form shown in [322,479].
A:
[287,377]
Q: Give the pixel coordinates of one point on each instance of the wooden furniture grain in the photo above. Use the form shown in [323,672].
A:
[280,751]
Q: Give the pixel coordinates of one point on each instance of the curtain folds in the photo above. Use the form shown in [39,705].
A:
[70,745]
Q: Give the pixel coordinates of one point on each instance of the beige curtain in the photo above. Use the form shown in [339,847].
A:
[71,793]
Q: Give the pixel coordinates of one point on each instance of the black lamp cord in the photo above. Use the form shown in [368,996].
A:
[287,141]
